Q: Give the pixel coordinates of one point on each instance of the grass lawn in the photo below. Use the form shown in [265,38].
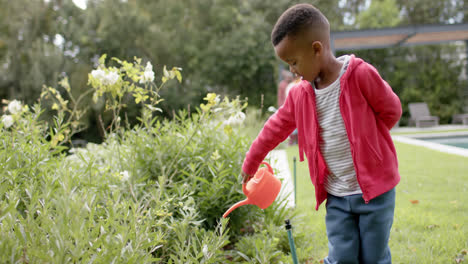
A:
[431,216]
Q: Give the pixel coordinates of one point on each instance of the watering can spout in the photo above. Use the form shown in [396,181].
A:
[241,203]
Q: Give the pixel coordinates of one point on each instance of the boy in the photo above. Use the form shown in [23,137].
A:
[343,112]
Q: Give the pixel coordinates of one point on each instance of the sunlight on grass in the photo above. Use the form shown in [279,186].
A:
[431,208]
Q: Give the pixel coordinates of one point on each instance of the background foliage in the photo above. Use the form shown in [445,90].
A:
[223,46]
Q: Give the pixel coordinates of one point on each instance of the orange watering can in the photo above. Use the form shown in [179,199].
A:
[261,190]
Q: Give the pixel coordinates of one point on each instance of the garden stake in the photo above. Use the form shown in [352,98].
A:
[291,241]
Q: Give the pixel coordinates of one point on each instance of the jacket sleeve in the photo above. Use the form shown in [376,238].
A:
[379,95]
[276,129]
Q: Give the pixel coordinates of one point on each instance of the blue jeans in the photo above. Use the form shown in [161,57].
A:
[359,232]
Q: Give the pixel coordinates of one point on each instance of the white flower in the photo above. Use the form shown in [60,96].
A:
[240,116]
[124,176]
[14,107]
[7,121]
[98,74]
[149,66]
[111,78]
[236,119]
[106,78]
[271,109]
[148,74]
[205,250]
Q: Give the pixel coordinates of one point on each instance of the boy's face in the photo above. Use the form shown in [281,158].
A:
[302,58]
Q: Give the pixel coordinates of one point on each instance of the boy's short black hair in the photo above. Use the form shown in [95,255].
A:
[295,20]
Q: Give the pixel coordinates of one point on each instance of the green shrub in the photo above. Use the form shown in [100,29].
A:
[154,193]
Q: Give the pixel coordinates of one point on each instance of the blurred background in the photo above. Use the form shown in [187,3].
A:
[223,46]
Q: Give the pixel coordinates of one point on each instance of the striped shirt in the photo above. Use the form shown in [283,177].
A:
[335,146]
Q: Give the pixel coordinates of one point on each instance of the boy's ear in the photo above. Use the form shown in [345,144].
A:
[317,47]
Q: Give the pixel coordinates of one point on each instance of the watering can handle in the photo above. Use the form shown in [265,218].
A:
[244,186]
[268,165]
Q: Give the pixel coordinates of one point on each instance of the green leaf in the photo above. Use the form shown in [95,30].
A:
[228,130]
[102,59]
[202,179]
[152,108]
[179,76]
[65,84]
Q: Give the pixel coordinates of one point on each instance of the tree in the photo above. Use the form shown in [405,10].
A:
[28,55]
[379,14]
[223,46]
[432,12]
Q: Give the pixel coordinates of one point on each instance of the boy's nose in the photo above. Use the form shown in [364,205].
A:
[291,69]
[295,74]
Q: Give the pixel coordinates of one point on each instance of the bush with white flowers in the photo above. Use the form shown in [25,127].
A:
[15,110]
[15,107]
[154,193]
[7,121]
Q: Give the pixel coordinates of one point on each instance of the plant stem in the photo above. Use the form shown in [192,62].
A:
[186,143]
[77,102]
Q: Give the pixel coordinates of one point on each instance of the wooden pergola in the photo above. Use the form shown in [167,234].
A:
[399,36]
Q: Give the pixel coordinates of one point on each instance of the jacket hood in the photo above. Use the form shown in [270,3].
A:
[353,64]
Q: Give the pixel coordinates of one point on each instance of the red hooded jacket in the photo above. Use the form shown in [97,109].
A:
[369,109]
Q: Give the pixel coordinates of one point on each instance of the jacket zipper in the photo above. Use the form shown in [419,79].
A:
[351,145]
[317,136]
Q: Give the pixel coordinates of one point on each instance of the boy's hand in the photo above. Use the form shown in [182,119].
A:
[245,177]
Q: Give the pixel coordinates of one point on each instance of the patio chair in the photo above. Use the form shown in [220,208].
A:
[460,118]
[420,115]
